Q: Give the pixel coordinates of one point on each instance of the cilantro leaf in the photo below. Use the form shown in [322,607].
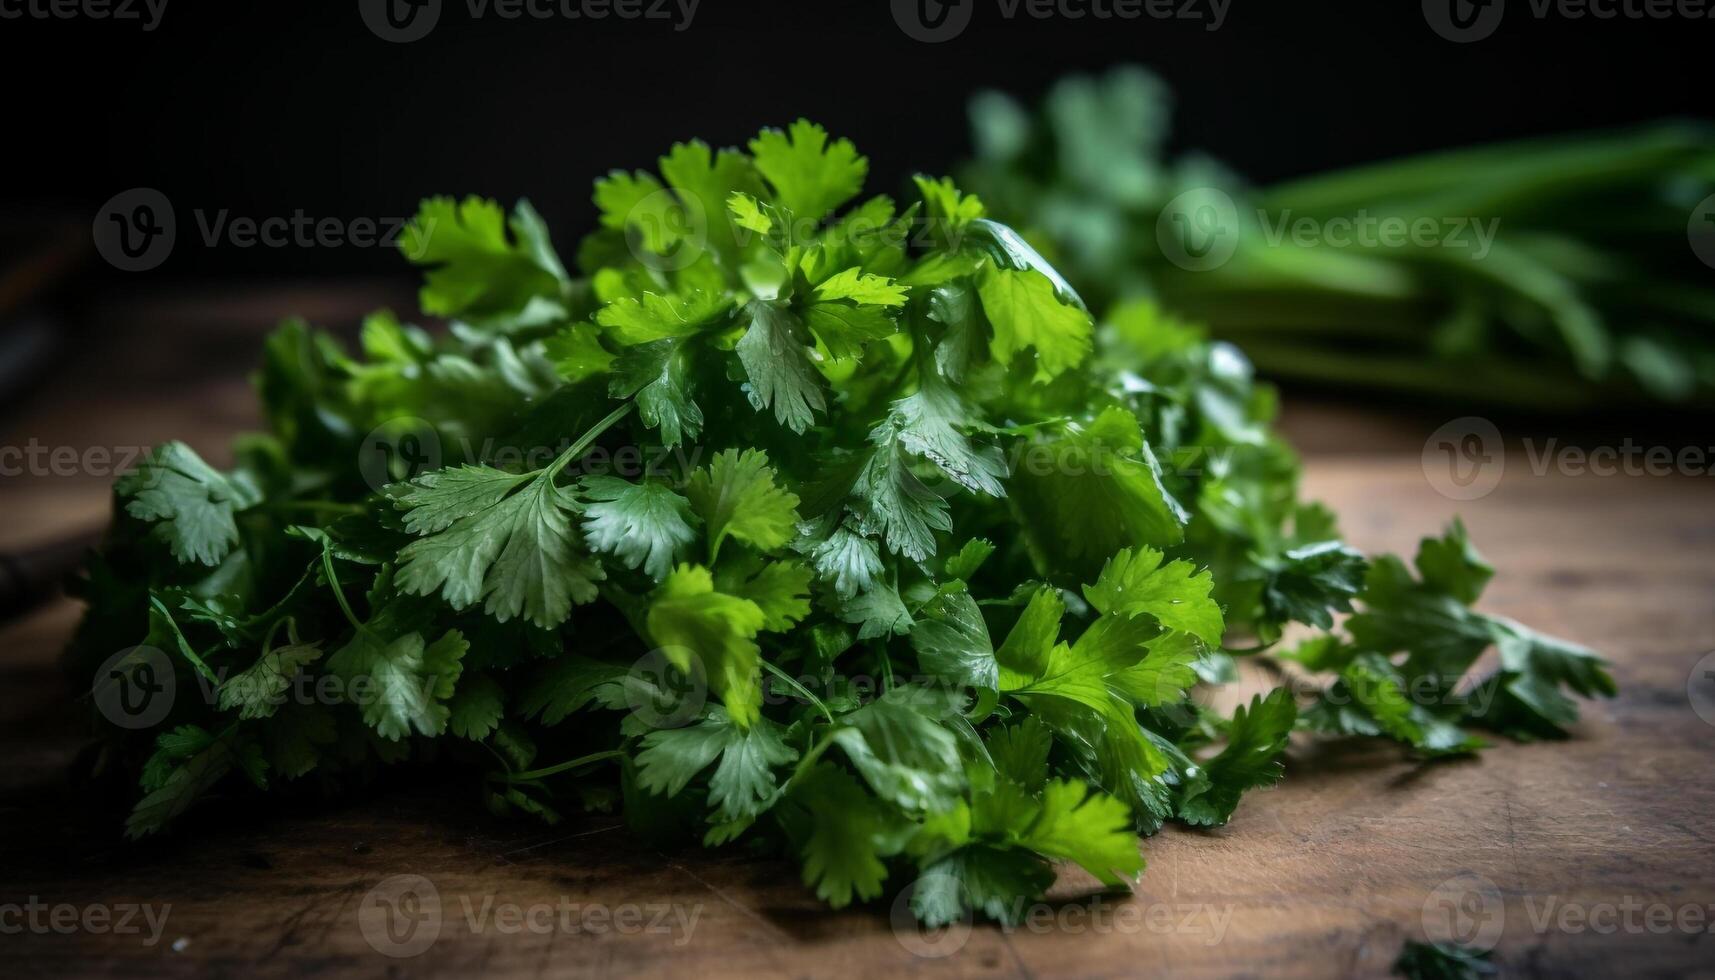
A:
[781,590]
[847,558]
[848,837]
[657,375]
[499,538]
[477,707]
[999,882]
[1175,594]
[644,524]
[927,423]
[736,496]
[878,611]
[1310,583]
[406,682]
[257,691]
[476,269]
[952,641]
[689,619]
[652,317]
[190,503]
[777,360]
[1093,488]
[899,746]
[893,503]
[810,176]
[1091,829]
[1255,740]
[744,783]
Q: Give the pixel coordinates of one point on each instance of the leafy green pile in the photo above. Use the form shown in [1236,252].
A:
[832,527]
[1551,274]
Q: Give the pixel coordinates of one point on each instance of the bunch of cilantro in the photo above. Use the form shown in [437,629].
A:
[831,525]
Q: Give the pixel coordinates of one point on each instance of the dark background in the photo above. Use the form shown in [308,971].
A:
[265,108]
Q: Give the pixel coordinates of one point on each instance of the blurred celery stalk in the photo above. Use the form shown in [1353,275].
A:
[1560,274]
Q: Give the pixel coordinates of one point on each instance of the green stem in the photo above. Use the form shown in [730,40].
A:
[801,689]
[577,449]
[184,644]
[809,759]
[339,593]
[578,763]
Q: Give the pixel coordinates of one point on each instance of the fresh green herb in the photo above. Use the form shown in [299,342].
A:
[1551,274]
[1437,961]
[814,522]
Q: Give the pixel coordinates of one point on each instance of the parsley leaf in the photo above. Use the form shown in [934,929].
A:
[644,524]
[190,503]
[690,620]
[810,176]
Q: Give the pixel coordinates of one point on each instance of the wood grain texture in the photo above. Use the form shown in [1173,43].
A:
[1325,876]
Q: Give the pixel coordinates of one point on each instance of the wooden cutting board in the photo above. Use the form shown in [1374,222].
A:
[1592,857]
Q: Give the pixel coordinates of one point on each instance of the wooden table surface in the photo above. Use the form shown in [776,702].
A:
[1589,846]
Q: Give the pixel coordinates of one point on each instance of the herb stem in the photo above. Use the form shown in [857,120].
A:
[577,448]
[339,593]
[578,763]
[184,644]
[801,689]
